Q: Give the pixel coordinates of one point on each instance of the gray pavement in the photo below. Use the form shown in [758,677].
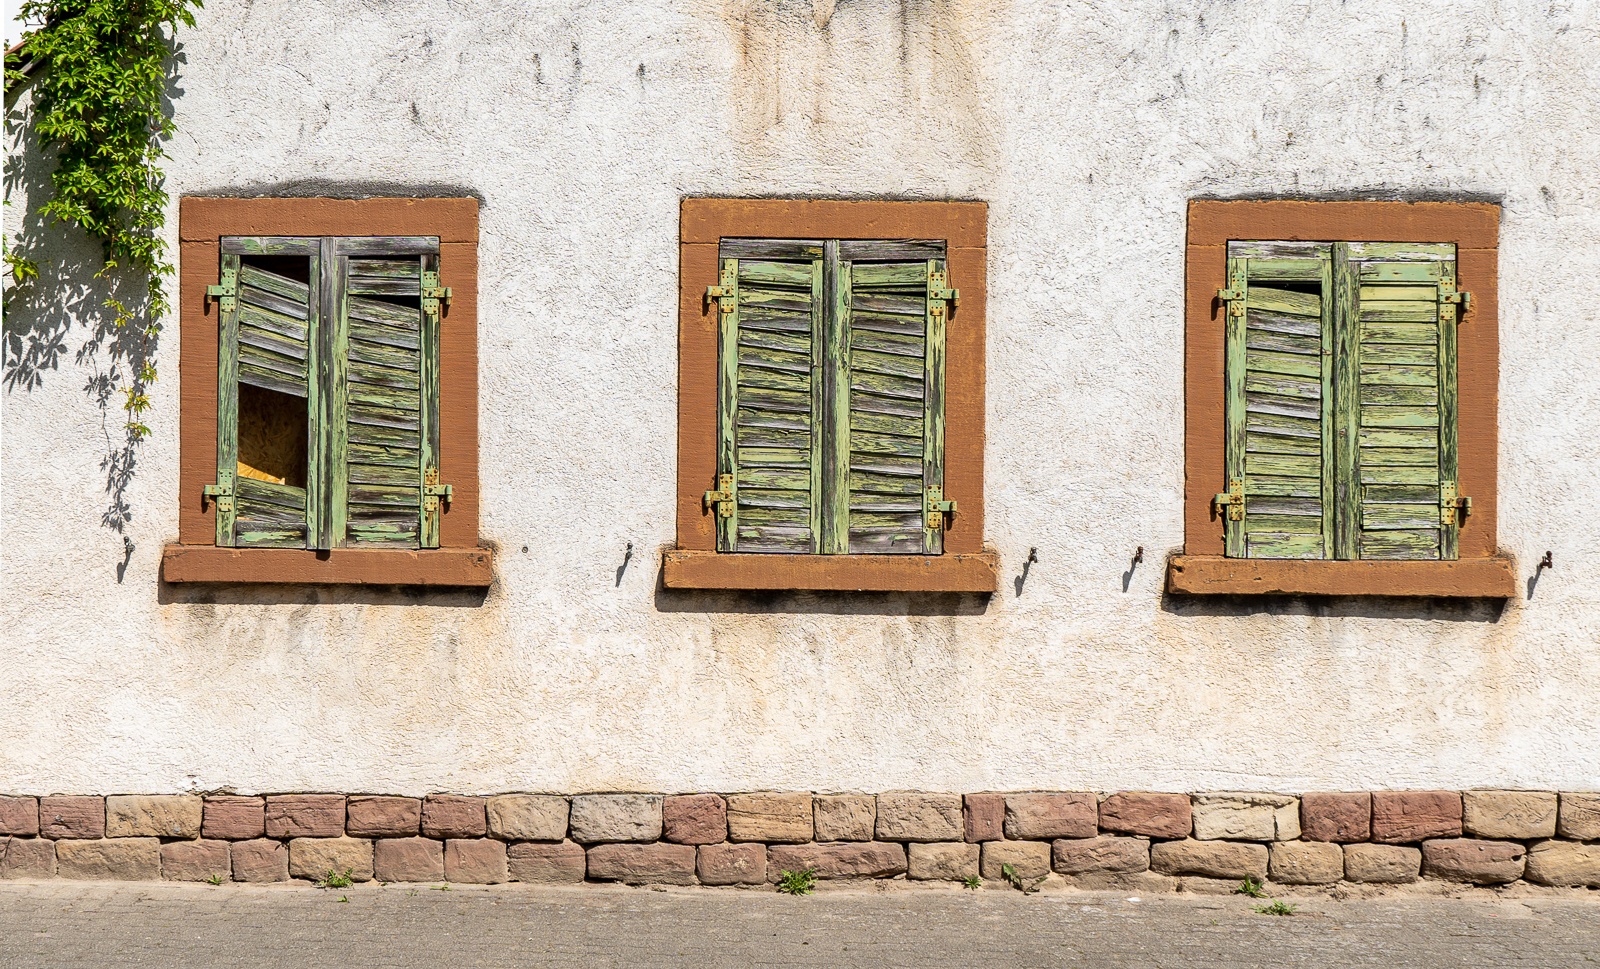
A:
[65,925]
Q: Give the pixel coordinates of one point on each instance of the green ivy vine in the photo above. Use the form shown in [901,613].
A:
[101,79]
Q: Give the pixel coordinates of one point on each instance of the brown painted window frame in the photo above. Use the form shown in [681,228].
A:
[1480,571]
[695,563]
[202,222]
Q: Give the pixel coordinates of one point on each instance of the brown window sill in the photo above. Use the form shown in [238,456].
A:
[1484,578]
[952,572]
[340,566]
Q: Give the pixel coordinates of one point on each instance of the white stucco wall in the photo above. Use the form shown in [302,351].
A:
[1086,127]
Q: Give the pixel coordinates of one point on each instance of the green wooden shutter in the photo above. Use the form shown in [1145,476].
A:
[1406,401]
[266,392]
[1279,448]
[890,425]
[769,395]
[390,379]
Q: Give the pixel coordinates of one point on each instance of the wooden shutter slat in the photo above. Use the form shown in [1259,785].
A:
[260,298]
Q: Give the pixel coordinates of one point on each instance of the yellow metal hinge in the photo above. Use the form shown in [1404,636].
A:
[723,293]
[226,293]
[432,491]
[1231,501]
[432,294]
[722,498]
[934,508]
[221,493]
[1452,506]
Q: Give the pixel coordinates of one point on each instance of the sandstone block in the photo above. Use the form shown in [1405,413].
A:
[475,861]
[1306,863]
[546,864]
[195,861]
[1106,854]
[19,816]
[233,818]
[1402,816]
[116,859]
[527,817]
[1042,817]
[643,864]
[732,864]
[1564,863]
[695,819]
[1473,860]
[153,816]
[72,817]
[920,817]
[1383,864]
[1213,859]
[407,860]
[259,860]
[850,859]
[1336,816]
[305,816]
[1031,859]
[845,817]
[453,816]
[1508,814]
[381,816]
[316,858]
[616,817]
[27,858]
[947,860]
[774,818]
[983,817]
[1152,815]
[1245,816]
[1579,817]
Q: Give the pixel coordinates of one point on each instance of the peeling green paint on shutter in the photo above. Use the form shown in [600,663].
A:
[264,360]
[831,398]
[1406,398]
[390,376]
[1279,447]
[767,402]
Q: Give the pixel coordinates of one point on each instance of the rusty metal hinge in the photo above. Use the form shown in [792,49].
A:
[934,508]
[432,491]
[1231,501]
[722,498]
[433,294]
[1452,506]
[1234,295]
[941,299]
[221,493]
[226,293]
[724,292]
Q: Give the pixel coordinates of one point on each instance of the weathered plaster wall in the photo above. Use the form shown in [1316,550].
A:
[1086,127]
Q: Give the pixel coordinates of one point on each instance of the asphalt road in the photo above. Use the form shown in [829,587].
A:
[66,925]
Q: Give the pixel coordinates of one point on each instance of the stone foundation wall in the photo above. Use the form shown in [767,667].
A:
[1128,840]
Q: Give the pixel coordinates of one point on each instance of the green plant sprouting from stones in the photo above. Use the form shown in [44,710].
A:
[1251,886]
[1010,874]
[972,882]
[336,879]
[1276,908]
[797,882]
[98,105]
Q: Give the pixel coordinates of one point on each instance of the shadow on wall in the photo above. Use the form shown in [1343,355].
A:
[71,294]
[168,594]
[1337,607]
[758,602]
